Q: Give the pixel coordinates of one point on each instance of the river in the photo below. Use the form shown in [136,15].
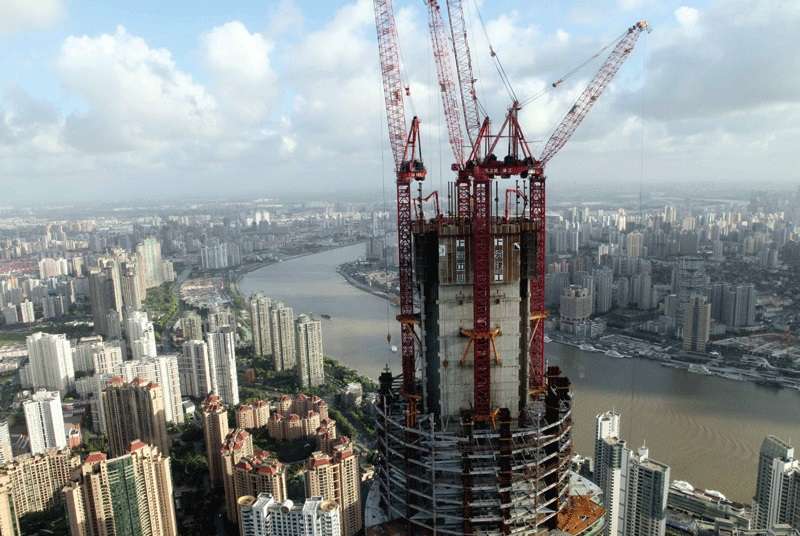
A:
[707,429]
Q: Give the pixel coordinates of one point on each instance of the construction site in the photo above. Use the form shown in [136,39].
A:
[475,432]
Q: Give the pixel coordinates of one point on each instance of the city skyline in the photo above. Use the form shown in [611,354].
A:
[230,304]
[191,113]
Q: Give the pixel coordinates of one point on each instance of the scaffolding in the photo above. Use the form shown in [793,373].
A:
[477,478]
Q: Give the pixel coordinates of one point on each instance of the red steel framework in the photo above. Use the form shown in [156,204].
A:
[517,162]
[406,151]
[479,170]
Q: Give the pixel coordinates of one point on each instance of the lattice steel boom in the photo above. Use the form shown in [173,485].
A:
[466,79]
[447,87]
[589,96]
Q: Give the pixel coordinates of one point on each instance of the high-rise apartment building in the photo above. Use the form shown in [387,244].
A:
[777,497]
[94,355]
[697,324]
[44,421]
[141,334]
[133,294]
[634,244]
[222,363]
[6,453]
[32,483]
[247,471]
[237,444]
[51,365]
[604,290]
[282,331]
[215,430]
[148,259]
[219,318]
[337,477]
[134,411]
[162,370]
[195,369]
[310,361]
[688,279]
[254,415]
[635,487]
[192,326]
[260,472]
[260,322]
[26,312]
[105,294]
[127,495]
[266,516]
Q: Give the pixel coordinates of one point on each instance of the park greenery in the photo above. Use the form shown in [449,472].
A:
[162,307]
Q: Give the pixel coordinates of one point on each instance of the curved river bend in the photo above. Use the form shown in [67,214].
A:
[707,429]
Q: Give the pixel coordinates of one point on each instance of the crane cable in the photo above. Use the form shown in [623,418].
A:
[493,54]
[634,370]
[381,150]
[571,72]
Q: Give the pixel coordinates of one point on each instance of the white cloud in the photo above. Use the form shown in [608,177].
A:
[20,15]
[714,89]
[243,77]
[687,17]
[135,95]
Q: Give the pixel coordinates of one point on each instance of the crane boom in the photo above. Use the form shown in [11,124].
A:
[466,80]
[589,96]
[447,87]
[393,89]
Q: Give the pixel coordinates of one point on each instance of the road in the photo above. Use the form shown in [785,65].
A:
[166,337]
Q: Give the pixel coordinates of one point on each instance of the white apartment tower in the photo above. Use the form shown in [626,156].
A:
[635,487]
[260,320]
[222,364]
[265,516]
[282,331]
[195,369]
[697,324]
[141,334]
[164,371]
[51,362]
[777,498]
[44,421]
[6,453]
[310,366]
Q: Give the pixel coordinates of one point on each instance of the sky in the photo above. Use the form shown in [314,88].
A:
[153,100]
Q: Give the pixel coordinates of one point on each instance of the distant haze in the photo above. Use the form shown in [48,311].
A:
[103,103]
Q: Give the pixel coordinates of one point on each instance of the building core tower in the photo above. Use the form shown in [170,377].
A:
[444,467]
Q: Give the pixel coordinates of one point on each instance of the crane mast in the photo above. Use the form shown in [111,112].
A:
[406,151]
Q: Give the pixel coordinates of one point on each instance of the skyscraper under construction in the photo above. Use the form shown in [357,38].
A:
[475,436]
[446,470]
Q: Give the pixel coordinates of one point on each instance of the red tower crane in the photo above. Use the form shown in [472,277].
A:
[407,155]
[520,162]
[561,135]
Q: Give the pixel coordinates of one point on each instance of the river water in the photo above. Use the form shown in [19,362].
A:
[707,429]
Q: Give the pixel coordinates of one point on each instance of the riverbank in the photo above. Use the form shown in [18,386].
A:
[707,429]
[342,270]
[241,271]
[619,345]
